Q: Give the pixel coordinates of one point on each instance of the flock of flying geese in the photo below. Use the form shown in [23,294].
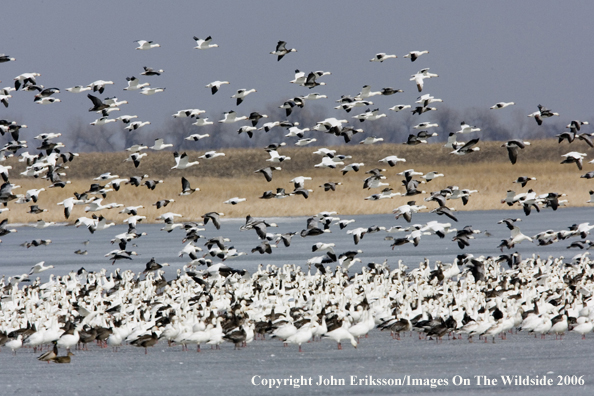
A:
[472,295]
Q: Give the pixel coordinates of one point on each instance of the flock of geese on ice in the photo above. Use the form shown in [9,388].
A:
[477,296]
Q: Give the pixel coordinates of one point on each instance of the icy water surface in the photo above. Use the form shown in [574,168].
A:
[418,365]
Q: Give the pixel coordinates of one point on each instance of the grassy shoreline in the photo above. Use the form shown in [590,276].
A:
[488,171]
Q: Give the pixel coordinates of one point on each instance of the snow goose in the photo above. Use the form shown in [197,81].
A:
[582,328]
[398,108]
[267,172]
[202,122]
[407,210]
[574,157]
[186,189]
[5,58]
[310,81]
[40,267]
[382,56]
[203,44]
[467,148]
[151,91]
[371,140]
[103,121]
[234,200]
[414,55]
[134,84]
[146,45]
[501,105]
[149,71]
[182,162]
[15,344]
[135,158]
[276,157]
[216,85]
[512,148]
[281,50]
[98,105]
[304,334]
[25,79]
[341,333]
[212,154]
[241,94]
[352,167]
[231,117]
[44,100]
[305,141]
[160,145]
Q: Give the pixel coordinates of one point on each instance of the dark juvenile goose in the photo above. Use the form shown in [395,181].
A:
[512,148]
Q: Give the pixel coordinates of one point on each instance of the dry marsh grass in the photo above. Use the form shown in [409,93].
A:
[488,171]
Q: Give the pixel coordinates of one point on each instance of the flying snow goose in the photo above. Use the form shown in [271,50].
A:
[146,45]
[414,55]
[501,105]
[160,145]
[382,56]
[202,122]
[182,162]
[211,154]
[512,148]
[241,94]
[186,189]
[216,85]
[282,50]
[202,44]
[134,84]
[574,157]
[231,117]
[151,91]
[149,71]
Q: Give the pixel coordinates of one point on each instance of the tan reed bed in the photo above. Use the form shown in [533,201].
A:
[488,171]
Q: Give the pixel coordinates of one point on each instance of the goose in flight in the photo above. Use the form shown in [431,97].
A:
[151,91]
[398,108]
[202,44]
[392,160]
[5,58]
[231,117]
[99,85]
[465,128]
[216,85]
[267,172]
[132,126]
[98,105]
[25,79]
[501,105]
[186,189]
[467,148]
[512,148]
[149,71]
[211,154]
[146,45]
[134,84]
[414,55]
[282,50]
[574,157]
[382,56]
[160,145]
[241,94]
[311,82]
[182,162]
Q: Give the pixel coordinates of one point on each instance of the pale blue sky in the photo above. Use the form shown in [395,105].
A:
[485,52]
